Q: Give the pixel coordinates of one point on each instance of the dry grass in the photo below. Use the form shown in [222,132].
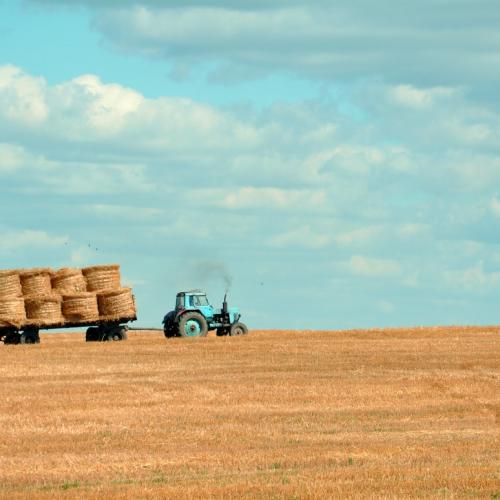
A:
[390,413]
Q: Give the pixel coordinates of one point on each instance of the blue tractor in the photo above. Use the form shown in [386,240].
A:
[193,316]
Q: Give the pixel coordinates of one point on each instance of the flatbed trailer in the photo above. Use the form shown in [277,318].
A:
[97,331]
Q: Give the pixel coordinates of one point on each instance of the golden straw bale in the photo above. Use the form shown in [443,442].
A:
[44,311]
[10,284]
[116,304]
[36,282]
[80,307]
[12,312]
[102,278]
[68,281]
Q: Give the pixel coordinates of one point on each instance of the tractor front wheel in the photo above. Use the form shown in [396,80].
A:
[238,329]
[193,324]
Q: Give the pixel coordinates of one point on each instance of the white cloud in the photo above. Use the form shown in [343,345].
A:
[104,108]
[12,157]
[418,98]
[22,97]
[271,198]
[495,207]
[413,229]
[373,267]
[85,110]
[360,236]
[473,278]
[323,39]
[386,306]
[13,241]
[128,212]
[357,159]
[302,237]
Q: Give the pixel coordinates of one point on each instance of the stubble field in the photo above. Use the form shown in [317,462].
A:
[289,414]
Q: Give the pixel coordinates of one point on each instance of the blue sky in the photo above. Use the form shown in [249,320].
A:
[340,163]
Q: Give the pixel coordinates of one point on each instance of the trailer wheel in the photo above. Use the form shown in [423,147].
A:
[238,329]
[29,337]
[193,324]
[11,338]
[117,334]
[92,334]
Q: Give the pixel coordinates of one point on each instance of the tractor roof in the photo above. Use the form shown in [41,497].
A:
[192,292]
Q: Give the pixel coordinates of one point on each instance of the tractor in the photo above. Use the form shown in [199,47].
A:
[193,316]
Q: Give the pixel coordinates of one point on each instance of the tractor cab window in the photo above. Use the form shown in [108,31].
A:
[200,300]
[179,304]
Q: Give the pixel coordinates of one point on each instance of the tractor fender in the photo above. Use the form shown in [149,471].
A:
[184,311]
[170,316]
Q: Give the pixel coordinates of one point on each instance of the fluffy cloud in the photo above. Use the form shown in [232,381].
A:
[428,43]
[395,199]
[18,241]
[373,267]
[86,110]
[474,278]
[22,97]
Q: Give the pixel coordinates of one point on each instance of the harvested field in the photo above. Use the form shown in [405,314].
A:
[292,414]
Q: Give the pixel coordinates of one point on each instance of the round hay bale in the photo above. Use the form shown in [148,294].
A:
[44,311]
[36,282]
[69,281]
[80,307]
[12,312]
[10,284]
[102,278]
[116,304]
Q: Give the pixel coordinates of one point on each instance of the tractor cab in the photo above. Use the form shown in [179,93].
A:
[194,300]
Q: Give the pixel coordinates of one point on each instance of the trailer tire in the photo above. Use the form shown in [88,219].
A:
[117,334]
[238,329]
[92,334]
[11,338]
[29,337]
[193,324]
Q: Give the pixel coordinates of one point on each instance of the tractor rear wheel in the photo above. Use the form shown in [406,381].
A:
[193,324]
[238,329]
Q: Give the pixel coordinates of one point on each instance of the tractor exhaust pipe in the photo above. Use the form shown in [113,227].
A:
[224,304]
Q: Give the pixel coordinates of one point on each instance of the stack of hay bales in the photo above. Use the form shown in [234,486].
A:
[113,301]
[77,304]
[43,297]
[42,305]
[12,311]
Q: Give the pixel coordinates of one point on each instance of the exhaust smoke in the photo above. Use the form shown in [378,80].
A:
[207,271]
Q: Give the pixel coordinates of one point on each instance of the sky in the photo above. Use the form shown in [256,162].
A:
[335,164]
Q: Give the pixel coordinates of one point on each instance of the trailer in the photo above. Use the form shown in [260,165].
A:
[44,299]
[97,331]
